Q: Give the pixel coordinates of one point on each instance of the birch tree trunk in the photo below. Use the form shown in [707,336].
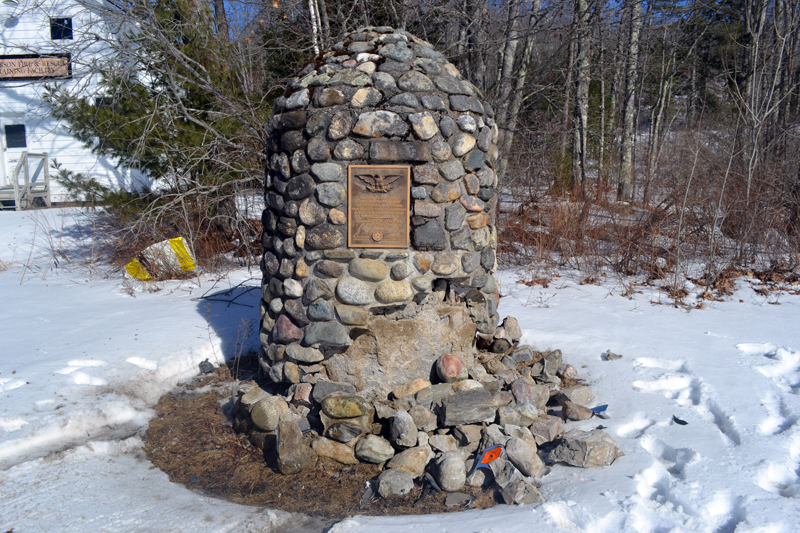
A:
[581,111]
[625,186]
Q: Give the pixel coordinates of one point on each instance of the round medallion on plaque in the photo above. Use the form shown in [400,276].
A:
[377,236]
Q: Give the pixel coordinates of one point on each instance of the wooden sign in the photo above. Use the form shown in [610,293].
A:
[35,67]
[378,206]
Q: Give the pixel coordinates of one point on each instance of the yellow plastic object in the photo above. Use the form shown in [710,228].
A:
[136,270]
[184,257]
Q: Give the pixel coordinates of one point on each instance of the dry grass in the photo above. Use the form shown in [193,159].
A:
[191,441]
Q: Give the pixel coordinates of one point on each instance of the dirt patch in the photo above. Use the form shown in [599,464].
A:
[191,440]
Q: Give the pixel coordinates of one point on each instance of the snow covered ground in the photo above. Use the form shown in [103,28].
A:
[83,357]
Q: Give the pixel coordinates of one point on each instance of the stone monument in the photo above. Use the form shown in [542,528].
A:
[380,228]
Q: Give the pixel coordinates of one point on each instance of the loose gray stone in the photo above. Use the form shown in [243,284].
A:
[324,388]
[423,418]
[293,455]
[467,434]
[467,408]
[374,449]
[524,457]
[403,430]
[443,443]
[452,472]
[413,460]
[265,415]
[518,415]
[354,292]
[341,405]
[328,171]
[579,394]
[434,393]
[552,362]
[395,483]
[345,431]
[522,353]
[594,448]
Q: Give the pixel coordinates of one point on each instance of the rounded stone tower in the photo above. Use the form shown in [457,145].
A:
[379,233]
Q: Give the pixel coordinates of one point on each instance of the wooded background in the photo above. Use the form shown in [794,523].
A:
[634,135]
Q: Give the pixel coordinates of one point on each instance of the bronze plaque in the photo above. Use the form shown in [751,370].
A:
[378,206]
[35,67]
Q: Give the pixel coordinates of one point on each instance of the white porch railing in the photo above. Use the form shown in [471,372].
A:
[34,187]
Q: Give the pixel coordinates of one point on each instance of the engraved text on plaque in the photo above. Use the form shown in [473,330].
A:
[378,206]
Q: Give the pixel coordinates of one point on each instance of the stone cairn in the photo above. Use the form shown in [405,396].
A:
[394,356]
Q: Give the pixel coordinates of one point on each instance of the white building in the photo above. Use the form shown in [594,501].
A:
[48,42]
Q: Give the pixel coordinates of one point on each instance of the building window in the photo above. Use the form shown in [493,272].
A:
[15,136]
[60,29]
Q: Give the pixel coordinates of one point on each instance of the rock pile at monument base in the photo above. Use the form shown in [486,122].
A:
[438,427]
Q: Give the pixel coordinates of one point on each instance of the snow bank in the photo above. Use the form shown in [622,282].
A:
[84,359]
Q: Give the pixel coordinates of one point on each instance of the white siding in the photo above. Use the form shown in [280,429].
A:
[25,29]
